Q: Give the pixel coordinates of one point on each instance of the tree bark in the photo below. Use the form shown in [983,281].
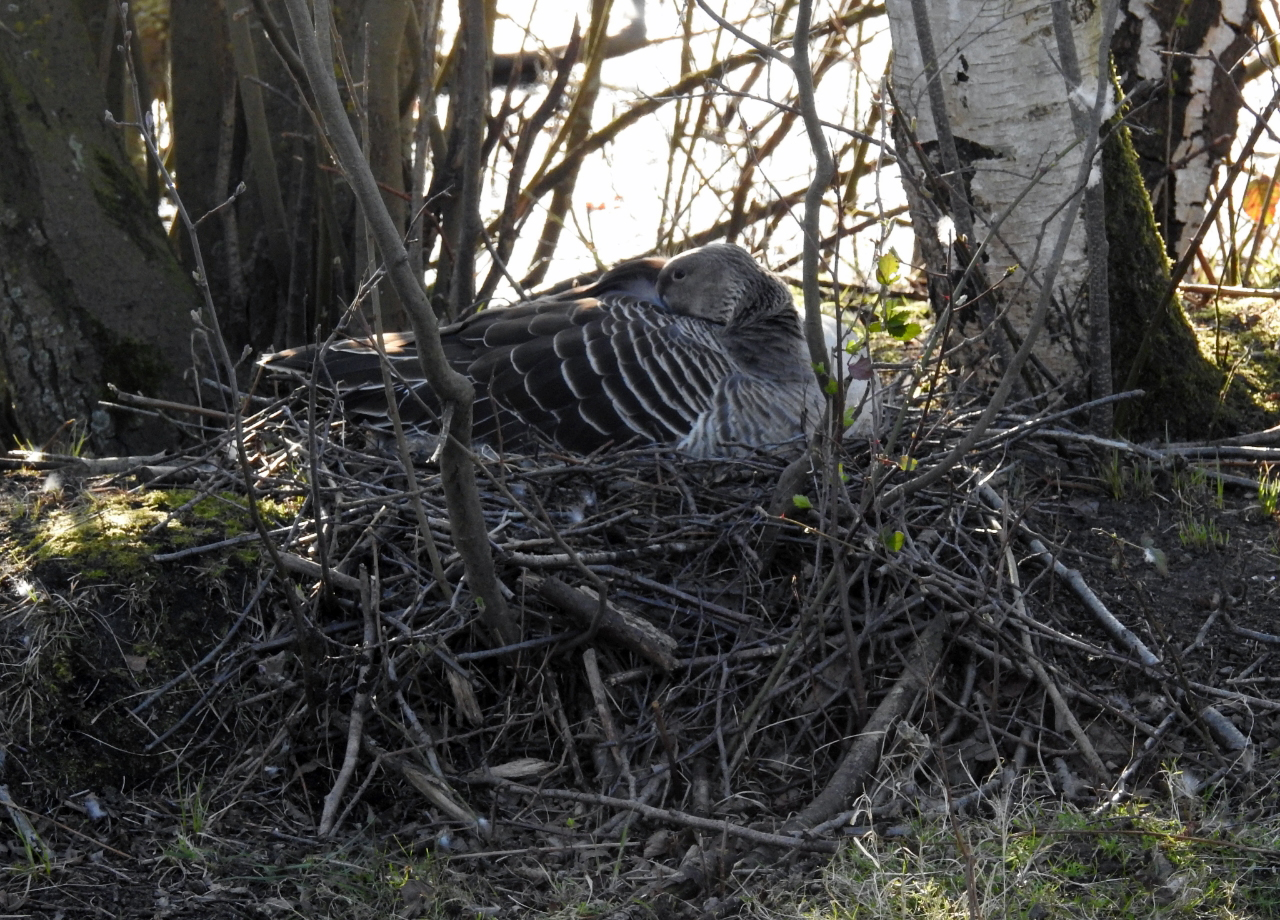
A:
[1180,60]
[90,292]
[1007,106]
[1008,120]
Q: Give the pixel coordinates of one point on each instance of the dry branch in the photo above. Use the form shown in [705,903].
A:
[613,622]
[455,465]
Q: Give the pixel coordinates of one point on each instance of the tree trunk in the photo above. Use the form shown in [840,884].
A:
[1182,387]
[90,292]
[1181,63]
[1006,105]
[385,27]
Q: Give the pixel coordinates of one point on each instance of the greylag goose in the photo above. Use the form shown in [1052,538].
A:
[704,352]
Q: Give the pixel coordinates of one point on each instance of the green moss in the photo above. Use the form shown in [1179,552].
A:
[121,198]
[107,535]
[98,621]
[1153,345]
[115,534]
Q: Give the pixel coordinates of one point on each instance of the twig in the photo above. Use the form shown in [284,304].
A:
[355,724]
[616,624]
[1120,633]
[1034,423]
[1227,290]
[917,673]
[676,817]
[564,560]
[457,472]
[591,665]
[1060,707]
[823,170]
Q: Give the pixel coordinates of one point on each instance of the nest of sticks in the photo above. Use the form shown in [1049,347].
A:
[730,656]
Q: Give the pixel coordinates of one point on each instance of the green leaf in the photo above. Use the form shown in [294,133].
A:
[908,332]
[801,501]
[893,541]
[907,463]
[831,386]
[887,268]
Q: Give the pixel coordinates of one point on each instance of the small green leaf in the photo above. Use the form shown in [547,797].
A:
[831,386]
[801,501]
[887,268]
[893,541]
[908,463]
[908,332]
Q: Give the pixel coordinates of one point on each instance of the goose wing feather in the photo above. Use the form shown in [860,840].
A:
[609,362]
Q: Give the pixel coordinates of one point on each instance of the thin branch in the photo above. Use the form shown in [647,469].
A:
[823,170]
[456,470]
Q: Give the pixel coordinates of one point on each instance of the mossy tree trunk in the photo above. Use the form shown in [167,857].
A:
[90,292]
[1181,66]
[1184,390]
[999,86]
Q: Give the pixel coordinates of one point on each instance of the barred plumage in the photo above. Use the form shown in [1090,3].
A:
[704,352]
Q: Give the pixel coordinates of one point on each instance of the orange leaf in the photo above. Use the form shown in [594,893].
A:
[1255,194]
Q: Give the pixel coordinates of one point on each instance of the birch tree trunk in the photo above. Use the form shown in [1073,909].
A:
[1006,107]
[1001,103]
[1182,64]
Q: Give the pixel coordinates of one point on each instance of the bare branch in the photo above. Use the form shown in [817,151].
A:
[455,465]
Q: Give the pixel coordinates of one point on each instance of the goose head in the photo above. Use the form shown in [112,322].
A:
[720,282]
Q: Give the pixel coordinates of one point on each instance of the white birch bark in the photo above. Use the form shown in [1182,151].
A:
[1006,98]
[1209,47]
